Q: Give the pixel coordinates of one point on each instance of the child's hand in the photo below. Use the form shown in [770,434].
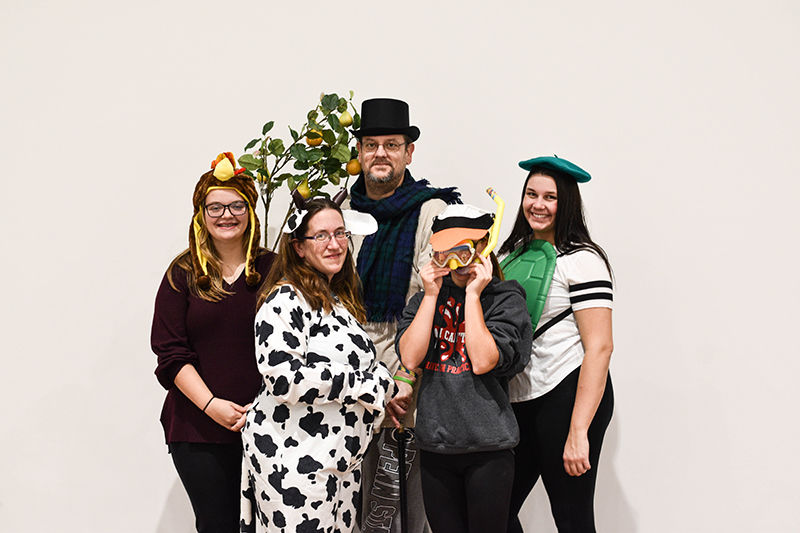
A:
[432,278]
[480,276]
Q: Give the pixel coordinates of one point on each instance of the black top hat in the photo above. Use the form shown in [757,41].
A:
[384,116]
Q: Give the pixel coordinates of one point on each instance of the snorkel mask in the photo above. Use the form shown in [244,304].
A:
[459,256]
[459,221]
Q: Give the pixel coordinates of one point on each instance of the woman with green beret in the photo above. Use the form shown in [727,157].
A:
[563,400]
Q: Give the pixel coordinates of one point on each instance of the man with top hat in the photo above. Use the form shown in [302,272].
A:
[388,262]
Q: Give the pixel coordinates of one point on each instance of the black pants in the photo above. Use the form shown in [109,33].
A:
[467,493]
[211,475]
[544,425]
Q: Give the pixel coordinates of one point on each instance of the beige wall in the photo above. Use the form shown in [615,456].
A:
[686,114]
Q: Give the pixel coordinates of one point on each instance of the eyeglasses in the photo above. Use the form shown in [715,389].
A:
[236,209]
[463,255]
[391,147]
[323,237]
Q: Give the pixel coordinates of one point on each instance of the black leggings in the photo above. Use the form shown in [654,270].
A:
[467,493]
[211,475]
[544,425]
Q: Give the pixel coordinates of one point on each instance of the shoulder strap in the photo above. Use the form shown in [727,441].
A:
[552,322]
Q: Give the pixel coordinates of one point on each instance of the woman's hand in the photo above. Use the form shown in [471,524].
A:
[242,419]
[227,414]
[397,407]
[576,453]
[432,278]
[480,276]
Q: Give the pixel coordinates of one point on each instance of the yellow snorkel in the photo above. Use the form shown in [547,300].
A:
[494,232]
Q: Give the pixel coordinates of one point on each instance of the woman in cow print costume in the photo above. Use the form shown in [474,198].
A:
[322,389]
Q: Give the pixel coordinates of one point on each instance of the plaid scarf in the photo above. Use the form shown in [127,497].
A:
[386,257]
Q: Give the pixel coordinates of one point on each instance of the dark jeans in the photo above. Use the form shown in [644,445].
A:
[467,493]
[544,425]
[211,475]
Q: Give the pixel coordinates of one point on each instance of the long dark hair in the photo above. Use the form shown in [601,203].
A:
[571,233]
[288,267]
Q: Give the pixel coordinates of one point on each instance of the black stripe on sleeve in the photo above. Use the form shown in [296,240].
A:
[590,285]
[592,296]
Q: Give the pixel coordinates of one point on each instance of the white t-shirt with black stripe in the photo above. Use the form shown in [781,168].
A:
[580,281]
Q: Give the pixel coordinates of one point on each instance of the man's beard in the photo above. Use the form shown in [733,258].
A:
[382,180]
[384,185]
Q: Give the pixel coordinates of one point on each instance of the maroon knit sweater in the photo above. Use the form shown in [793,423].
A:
[218,339]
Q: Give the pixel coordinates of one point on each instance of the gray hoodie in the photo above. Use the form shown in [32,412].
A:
[458,411]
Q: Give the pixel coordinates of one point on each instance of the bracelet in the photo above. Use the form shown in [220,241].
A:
[208,403]
[406,375]
[404,380]
[402,368]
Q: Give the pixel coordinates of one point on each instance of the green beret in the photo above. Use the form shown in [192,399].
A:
[557,164]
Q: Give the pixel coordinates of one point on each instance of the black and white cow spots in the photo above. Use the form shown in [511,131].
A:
[280,414]
[308,464]
[263,331]
[312,424]
[312,420]
[265,445]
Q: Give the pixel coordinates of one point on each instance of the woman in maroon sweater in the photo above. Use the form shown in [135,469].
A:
[203,336]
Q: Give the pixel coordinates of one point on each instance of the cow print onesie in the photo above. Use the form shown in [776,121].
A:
[312,420]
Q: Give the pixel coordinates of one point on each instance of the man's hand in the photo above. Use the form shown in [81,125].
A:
[397,407]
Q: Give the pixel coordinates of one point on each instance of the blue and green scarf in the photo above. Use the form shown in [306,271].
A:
[386,257]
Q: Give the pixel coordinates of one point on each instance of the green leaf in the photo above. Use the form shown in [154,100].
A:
[312,115]
[291,182]
[342,107]
[249,162]
[328,136]
[267,127]
[276,147]
[341,152]
[333,120]
[353,153]
[331,165]
[312,135]
[314,155]
[351,94]
[251,144]
[298,152]
[330,102]
[356,121]
[334,178]
[313,125]
[295,135]
[283,177]
[301,165]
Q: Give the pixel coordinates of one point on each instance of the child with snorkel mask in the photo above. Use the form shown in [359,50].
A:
[469,332]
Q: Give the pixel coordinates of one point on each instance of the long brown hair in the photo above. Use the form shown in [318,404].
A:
[290,268]
[215,291]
